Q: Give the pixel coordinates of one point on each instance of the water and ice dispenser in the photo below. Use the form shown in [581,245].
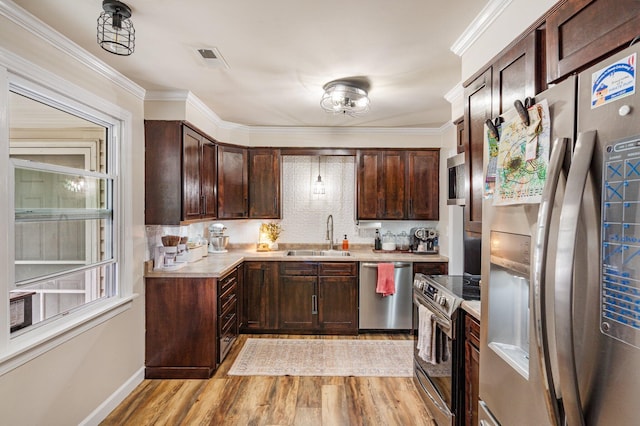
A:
[508,332]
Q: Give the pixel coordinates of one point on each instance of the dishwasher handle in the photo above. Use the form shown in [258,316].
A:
[396,265]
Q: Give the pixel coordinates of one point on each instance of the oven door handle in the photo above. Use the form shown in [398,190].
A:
[440,318]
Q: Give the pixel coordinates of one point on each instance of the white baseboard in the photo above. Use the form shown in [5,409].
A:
[103,410]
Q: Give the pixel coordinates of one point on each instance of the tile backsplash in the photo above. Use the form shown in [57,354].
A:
[304,214]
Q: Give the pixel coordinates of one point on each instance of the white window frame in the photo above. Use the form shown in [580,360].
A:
[29,79]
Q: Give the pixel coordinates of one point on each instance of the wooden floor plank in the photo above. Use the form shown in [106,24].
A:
[206,403]
[260,400]
[308,417]
[334,405]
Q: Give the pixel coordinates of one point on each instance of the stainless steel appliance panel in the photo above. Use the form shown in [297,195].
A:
[385,313]
[456,180]
[496,375]
[439,383]
[585,299]
[608,378]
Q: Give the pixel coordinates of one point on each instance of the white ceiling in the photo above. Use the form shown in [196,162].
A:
[281,52]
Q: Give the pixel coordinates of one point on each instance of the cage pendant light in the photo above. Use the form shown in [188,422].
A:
[115,30]
[318,186]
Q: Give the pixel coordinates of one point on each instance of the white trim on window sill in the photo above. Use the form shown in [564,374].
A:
[28,346]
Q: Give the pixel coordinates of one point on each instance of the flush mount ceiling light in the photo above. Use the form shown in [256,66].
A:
[344,98]
[115,30]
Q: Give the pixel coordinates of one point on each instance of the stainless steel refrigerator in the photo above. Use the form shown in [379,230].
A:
[560,333]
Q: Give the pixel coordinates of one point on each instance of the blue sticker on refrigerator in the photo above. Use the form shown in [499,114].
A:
[620,295]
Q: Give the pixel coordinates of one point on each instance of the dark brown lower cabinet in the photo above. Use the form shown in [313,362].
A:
[318,297]
[471,370]
[180,320]
[338,304]
[259,297]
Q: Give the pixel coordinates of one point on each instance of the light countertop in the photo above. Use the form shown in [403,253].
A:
[472,308]
[216,265]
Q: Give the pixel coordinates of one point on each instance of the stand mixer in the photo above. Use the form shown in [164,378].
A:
[424,241]
[217,240]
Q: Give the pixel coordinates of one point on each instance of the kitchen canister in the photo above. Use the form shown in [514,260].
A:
[388,241]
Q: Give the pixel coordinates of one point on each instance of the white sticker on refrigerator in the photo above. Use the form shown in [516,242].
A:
[614,82]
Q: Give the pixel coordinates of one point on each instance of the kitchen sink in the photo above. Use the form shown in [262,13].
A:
[307,253]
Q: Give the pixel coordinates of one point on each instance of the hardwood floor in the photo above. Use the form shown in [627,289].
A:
[286,400]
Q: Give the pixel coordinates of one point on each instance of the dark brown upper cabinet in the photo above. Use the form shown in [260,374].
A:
[381,184]
[477,110]
[423,185]
[398,184]
[233,182]
[516,73]
[180,174]
[581,32]
[264,183]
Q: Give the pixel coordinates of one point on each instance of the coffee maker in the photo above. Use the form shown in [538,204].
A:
[424,241]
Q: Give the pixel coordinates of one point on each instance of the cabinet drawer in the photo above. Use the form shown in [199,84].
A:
[227,281]
[338,268]
[472,330]
[228,317]
[430,268]
[298,268]
[227,337]
[226,302]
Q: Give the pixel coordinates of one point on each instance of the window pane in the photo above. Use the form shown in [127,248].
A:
[64,193]
[39,132]
[62,222]
[46,248]
[47,299]
[42,189]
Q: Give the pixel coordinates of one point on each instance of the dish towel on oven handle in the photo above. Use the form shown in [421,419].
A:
[433,343]
[426,334]
[386,284]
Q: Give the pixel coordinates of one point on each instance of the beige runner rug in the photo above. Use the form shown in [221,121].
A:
[324,357]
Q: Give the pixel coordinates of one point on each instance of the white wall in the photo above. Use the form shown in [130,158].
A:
[65,385]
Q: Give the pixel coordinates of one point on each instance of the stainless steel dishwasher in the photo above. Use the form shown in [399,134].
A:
[386,313]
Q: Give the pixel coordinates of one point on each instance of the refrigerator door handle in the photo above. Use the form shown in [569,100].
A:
[538,278]
[567,234]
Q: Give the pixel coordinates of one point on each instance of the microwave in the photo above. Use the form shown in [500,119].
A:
[457,181]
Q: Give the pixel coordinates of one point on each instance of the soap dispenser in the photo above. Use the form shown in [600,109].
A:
[345,243]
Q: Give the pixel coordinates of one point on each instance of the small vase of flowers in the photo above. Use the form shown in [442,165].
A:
[271,231]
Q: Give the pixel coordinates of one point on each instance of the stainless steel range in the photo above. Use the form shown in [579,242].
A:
[439,347]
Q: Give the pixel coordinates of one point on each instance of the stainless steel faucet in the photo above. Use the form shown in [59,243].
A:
[330,231]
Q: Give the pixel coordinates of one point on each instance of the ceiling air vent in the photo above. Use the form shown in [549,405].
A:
[211,57]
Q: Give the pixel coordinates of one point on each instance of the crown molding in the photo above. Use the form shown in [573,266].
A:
[191,99]
[478,26]
[35,26]
[424,131]
[455,94]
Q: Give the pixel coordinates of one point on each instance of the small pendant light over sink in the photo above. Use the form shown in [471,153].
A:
[115,30]
[318,186]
